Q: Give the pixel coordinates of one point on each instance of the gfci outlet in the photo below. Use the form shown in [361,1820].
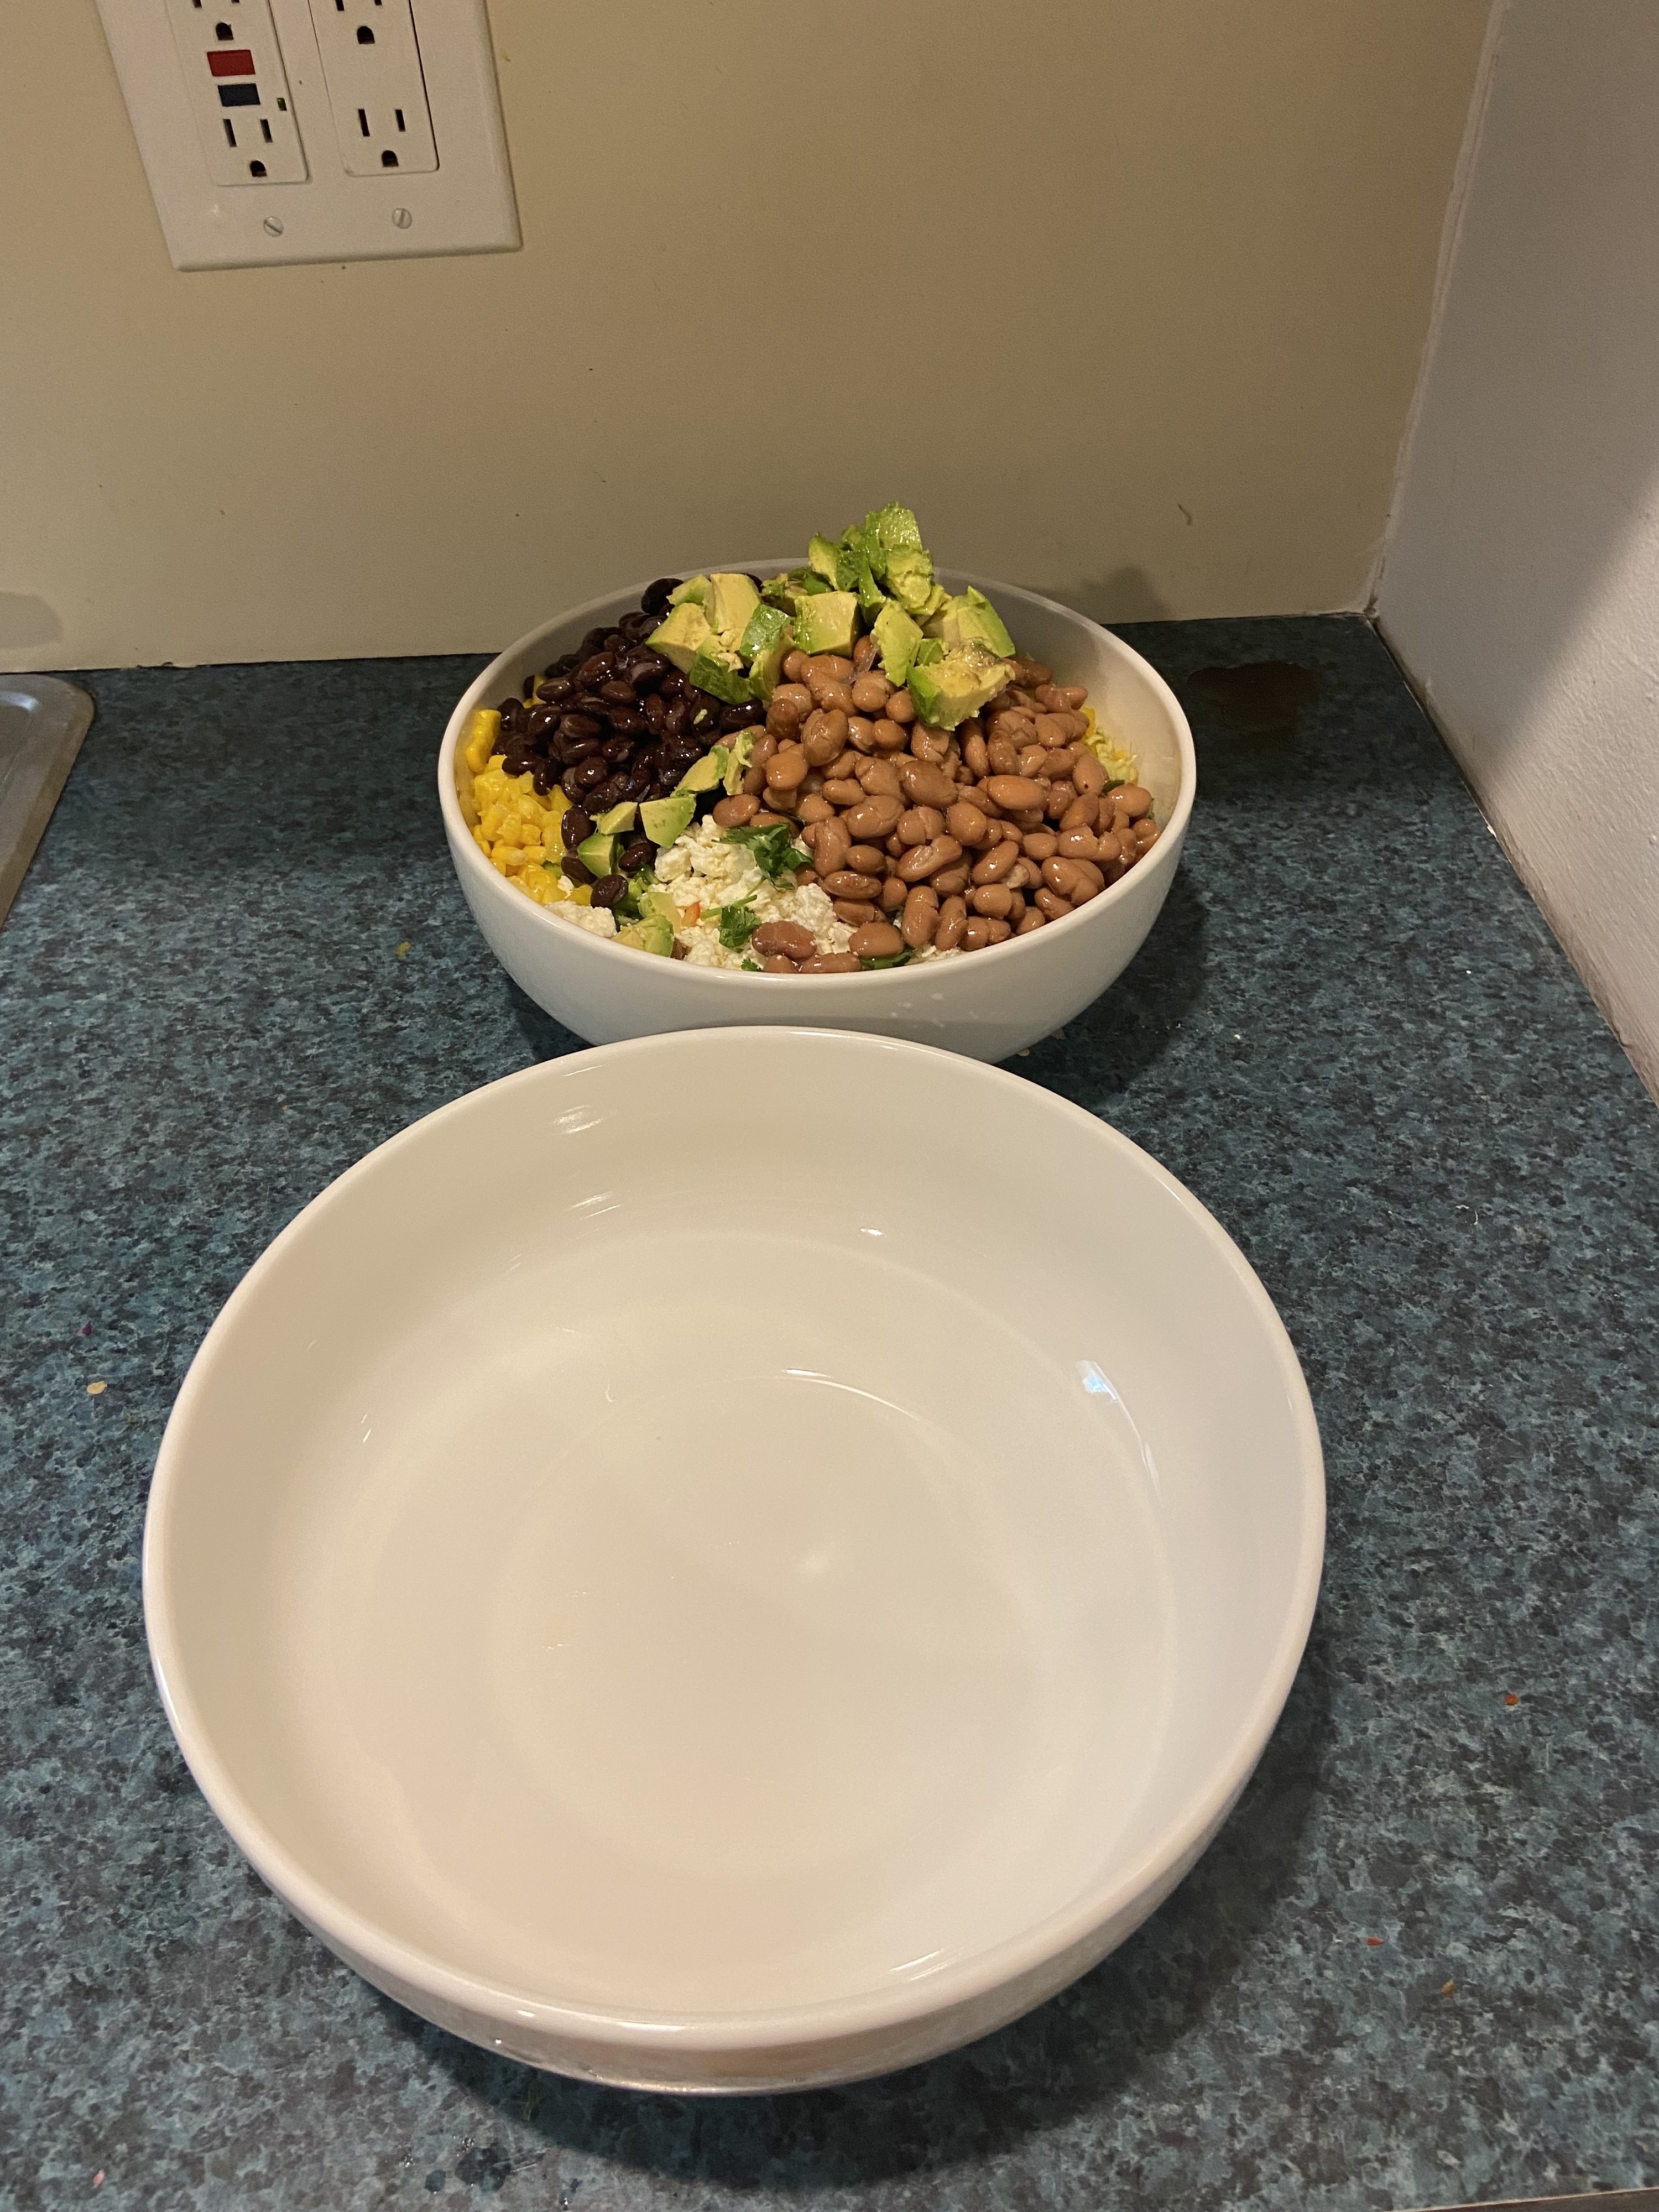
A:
[316,129]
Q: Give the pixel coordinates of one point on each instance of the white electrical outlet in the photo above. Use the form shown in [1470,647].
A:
[381,145]
[372,61]
[238,91]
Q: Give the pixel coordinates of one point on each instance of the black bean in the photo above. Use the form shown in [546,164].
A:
[574,826]
[581,726]
[644,668]
[578,871]
[544,775]
[586,775]
[600,796]
[737,717]
[614,642]
[615,750]
[655,597]
[638,783]
[572,750]
[654,710]
[512,714]
[636,625]
[609,890]
[628,722]
[593,670]
[678,714]
[555,689]
[591,703]
[540,719]
[638,853]
[619,691]
[589,644]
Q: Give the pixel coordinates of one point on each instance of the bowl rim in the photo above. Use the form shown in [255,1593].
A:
[470,861]
[634,2030]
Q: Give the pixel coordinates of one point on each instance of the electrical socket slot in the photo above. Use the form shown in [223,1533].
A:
[372,65]
[238,91]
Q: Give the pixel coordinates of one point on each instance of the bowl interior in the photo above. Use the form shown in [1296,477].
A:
[642,1543]
[1128,699]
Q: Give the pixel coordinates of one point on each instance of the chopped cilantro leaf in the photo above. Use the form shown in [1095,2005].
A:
[891,959]
[776,851]
[738,923]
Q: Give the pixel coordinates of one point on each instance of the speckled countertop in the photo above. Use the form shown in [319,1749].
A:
[240,960]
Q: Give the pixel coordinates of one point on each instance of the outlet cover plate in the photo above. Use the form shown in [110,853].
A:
[464,205]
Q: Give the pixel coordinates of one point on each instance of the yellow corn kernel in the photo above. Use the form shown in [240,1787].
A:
[583,895]
[515,861]
[484,729]
[482,841]
[498,860]
[490,821]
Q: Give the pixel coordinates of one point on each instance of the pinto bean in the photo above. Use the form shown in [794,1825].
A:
[792,939]
[877,816]
[924,783]
[876,940]
[921,914]
[927,859]
[953,920]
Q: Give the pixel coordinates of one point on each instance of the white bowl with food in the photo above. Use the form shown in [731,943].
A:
[679,1638]
[963,850]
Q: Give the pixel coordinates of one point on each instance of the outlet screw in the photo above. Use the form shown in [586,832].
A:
[274,226]
[402,217]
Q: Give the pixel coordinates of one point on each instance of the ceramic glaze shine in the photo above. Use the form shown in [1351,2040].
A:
[671,1672]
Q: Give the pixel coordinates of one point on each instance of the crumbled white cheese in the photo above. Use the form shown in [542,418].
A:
[702,873]
[598,920]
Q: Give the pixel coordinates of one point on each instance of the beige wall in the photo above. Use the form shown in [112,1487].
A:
[1128,300]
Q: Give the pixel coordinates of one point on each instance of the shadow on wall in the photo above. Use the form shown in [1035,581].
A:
[26,621]
[1127,594]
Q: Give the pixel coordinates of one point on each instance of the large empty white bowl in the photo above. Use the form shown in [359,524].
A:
[986,1004]
[742,1560]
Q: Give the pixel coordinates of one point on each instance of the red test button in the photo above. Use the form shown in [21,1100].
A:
[239,62]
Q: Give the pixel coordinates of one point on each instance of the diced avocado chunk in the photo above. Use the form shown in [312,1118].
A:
[663,820]
[970,619]
[659,903]
[705,775]
[910,578]
[741,746]
[652,933]
[679,634]
[827,623]
[896,638]
[693,590]
[598,853]
[762,647]
[716,668]
[887,531]
[616,820]
[855,574]
[824,557]
[731,600]
[961,680]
